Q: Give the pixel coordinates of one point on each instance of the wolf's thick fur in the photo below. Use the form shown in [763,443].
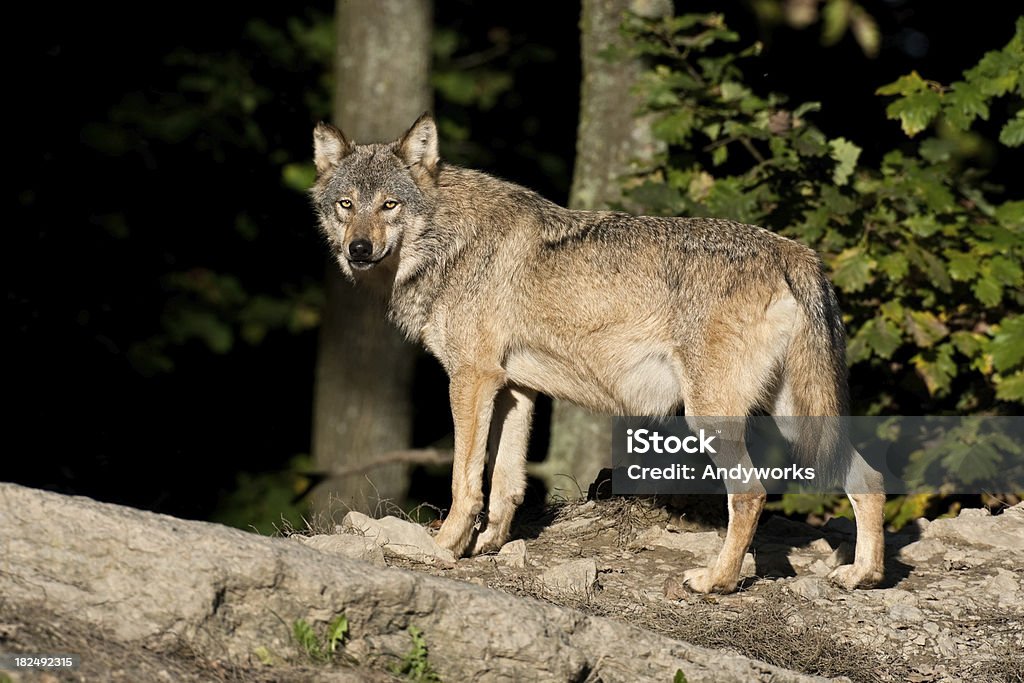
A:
[620,314]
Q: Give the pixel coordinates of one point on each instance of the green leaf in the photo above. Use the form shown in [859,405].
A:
[337,630]
[846,154]
[968,343]
[963,103]
[936,368]
[915,111]
[719,156]
[306,638]
[932,266]
[1011,388]
[1007,346]
[1012,134]
[988,290]
[937,150]
[904,85]
[732,91]
[1011,215]
[835,18]
[885,338]
[865,31]
[925,328]
[894,265]
[923,225]
[298,176]
[962,267]
[851,269]
[675,128]
[1005,270]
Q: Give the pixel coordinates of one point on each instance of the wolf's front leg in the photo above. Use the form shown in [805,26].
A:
[510,436]
[722,576]
[472,392]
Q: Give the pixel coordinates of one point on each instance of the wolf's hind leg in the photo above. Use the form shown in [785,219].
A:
[472,393]
[509,439]
[864,487]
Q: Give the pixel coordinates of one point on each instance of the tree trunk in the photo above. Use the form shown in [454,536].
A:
[363,402]
[612,143]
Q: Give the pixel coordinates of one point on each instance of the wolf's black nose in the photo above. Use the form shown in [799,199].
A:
[360,250]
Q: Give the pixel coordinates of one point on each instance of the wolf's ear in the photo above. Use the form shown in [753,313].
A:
[329,147]
[418,147]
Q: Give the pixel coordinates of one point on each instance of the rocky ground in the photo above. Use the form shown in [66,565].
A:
[951,609]
[588,591]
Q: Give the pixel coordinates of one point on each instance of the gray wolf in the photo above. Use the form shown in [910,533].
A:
[620,314]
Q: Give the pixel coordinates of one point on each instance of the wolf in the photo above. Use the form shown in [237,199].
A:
[621,314]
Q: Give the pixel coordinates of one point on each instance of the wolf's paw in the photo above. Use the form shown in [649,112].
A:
[455,536]
[486,541]
[703,580]
[850,576]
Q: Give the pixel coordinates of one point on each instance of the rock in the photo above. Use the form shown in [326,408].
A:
[1003,582]
[809,587]
[921,551]
[513,554]
[347,545]
[749,566]
[979,527]
[704,545]
[819,568]
[1005,586]
[155,584]
[895,596]
[798,561]
[578,577]
[399,538]
[906,613]
[947,646]
[820,545]
[956,559]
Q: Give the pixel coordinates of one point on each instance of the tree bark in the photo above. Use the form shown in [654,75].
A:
[363,402]
[612,143]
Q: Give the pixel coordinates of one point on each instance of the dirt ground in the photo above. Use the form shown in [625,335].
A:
[948,611]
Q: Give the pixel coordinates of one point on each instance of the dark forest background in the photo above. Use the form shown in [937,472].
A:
[163,288]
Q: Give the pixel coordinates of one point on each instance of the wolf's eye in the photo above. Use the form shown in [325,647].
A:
[345,203]
[390,204]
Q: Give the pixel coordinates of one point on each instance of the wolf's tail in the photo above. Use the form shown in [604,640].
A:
[815,374]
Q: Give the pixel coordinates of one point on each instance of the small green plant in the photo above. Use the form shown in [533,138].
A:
[262,653]
[321,649]
[415,665]
[680,677]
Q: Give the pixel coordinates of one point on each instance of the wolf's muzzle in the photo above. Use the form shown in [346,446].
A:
[360,250]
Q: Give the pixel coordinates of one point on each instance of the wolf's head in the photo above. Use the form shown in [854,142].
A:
[368,196]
